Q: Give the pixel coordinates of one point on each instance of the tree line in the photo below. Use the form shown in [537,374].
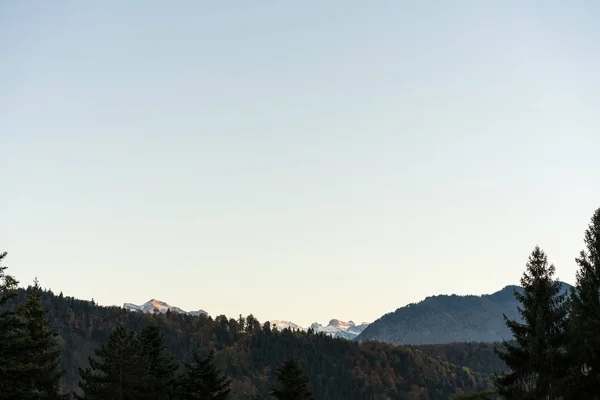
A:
[137,367]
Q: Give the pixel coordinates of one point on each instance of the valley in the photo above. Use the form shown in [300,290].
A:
[247,349]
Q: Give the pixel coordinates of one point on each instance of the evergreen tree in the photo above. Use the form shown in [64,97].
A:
[538,358]
[40,357]
[119,372]
[161,366]
[293,383]
[585,318]
[11,340]
[202,380]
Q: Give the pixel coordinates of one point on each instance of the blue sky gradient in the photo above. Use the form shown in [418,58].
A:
[298,161]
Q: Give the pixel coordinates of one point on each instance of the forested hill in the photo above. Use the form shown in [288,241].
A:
[449,319]
[250,352]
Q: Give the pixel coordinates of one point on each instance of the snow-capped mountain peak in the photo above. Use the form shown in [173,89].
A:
[153,305]
[341,324]
[281,325]
[335,328]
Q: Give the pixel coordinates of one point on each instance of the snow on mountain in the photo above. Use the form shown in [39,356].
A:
[281,325]
[162,307]
[336,328]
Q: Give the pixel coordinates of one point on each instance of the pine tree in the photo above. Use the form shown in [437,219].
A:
[538,359]
[293,383]
[41,357]
[161,367]
[202,380]
[119,372]
[585,317]
[11,340]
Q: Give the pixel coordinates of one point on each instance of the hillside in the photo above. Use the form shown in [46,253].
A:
[250,352]
[448,319]
[476,356]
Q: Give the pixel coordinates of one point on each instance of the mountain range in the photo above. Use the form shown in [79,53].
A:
[336,328]
[437,319]
[435,348]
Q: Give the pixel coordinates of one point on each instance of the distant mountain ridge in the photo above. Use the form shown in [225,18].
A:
[446,319]
[153,305]
[440,319]
[335,328]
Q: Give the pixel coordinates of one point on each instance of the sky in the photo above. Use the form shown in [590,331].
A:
[299,161]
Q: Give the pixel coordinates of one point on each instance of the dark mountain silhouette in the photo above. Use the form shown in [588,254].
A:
[447,319]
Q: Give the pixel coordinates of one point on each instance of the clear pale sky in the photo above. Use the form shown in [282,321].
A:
[296,160]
